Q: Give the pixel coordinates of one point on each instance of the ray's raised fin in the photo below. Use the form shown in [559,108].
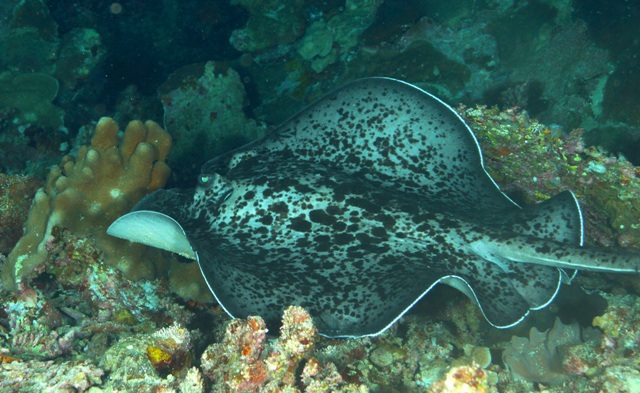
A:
[392,133]
[153,229]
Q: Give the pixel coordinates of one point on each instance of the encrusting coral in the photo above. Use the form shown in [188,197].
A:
[15,197]
[537,161]
[463,379]
[152,362]
[48,376]
[245,362]
[85,194]
[31,94]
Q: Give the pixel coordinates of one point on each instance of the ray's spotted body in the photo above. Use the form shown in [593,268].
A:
[356,207]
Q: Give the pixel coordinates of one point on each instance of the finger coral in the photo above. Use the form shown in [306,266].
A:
[86,193]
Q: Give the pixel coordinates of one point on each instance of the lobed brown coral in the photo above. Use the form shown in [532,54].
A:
[85,194]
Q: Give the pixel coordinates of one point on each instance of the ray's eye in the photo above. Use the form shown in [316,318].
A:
[204,180]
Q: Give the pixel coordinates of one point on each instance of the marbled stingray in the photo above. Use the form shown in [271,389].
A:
[356,207]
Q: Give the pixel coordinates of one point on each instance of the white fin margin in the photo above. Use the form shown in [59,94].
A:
[153,229]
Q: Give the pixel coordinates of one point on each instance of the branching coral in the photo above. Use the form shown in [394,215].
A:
[85,194]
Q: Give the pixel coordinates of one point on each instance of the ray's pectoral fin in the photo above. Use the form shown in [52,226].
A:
[149,225]
[152,229]
[506,291]
[521,267]
[558,218]
[506,284]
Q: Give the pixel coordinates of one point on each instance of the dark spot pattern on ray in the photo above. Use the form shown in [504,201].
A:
[358,205]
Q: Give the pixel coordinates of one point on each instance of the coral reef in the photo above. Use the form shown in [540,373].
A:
[245,361]
[48,85]
[76,322]
[299,361]
[31,94]
[81,52]
[145,363]
[203,105]
[33,323]
[16,193]
[567,49]
[323,42]
[463,379]
[538,161]
[77,308]
[96,297]
[620,324]
[535,56]
[51,377]
[271,23]
[607,363]
[81,306]
[87,193]
[28,149]
[192,382]
[30,37]
[78,266]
